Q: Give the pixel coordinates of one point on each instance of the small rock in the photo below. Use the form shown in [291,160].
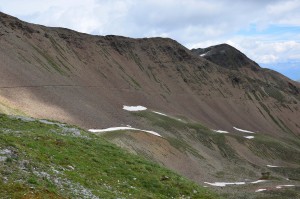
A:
[163,178]
[3,158]
[24,164]
[5,152]
[5,179]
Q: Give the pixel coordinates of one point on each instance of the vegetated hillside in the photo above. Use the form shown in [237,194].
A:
[85,80]
[45,159]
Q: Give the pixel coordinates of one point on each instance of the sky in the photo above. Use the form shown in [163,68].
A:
[267,31]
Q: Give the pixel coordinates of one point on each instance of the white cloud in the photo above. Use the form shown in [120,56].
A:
[89,16]
[284,12]
[186,21]
[271,52]
[259,49]
[268,58]
[282,7]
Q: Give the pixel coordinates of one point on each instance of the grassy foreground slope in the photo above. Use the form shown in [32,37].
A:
[43,159]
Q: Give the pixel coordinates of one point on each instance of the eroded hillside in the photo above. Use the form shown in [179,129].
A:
[85,80]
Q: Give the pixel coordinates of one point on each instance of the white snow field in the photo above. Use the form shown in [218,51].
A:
[223,184]
[242,130]
[134,108]
[249,137]
[220,131]
[122,128]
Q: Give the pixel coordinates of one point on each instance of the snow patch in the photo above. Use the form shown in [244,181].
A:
[160,113]
[260,190]
[111,129]
[223,184]
[288,185]
[241,130]
[202,55]
[151,132]
[249,137]
[220,131]
[134,108]
[122,128]
[272,166]
[258,181]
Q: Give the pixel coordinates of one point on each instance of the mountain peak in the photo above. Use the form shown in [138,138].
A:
[226,56]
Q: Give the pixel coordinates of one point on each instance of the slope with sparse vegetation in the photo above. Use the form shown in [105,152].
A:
[44,159]
[211,156]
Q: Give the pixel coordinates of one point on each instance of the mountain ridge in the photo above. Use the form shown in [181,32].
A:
[227,56]
[63,53]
